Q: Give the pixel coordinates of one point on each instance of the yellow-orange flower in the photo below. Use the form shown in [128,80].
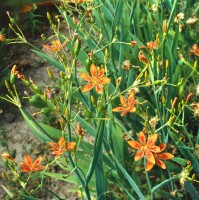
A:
[145,148]
[7,156]
[142,57]
[56,45]
[71,146]
[127,105]
[95,80]
[159,157]
[152,44]
[29,166]
[195,49]
[58,148]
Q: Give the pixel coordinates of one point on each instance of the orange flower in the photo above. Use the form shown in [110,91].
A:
[7,156]
[127,105]
[30,166]
[58,148]
[145,148]
[142,57]
[159,157]
[96,79]
[56,45]
[71,146]
[195,49]
[152,44]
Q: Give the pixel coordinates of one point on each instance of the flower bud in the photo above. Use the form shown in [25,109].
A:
[2,38]
[164,26]
[50,74]
[92,99]
[79,130]
[66,113]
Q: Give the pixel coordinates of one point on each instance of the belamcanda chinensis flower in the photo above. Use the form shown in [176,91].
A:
[7,156]
[60,147]
[29,166]
[142,58]
[145,148]
[127,105]
[56,45]
[97,79]
[159,157]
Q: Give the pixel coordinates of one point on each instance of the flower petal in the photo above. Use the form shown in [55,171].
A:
[100,73]
[124,113]
[123,100]
[39,168]
[88,87]
[164,156]
[99,89]
[28,160]
[149,166]
[154,149]
[152,139]
[132,109]
[54,145]
[86,77]
[134,144]
[162,147]
[139,155]
[118,109]
[149,156]
[71,146]
[93,70]
[37,162]
[142,137]
[160,164]
[104,80]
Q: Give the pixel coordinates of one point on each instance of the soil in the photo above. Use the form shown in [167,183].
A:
[18,135]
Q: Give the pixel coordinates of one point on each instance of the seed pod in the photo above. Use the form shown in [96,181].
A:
[36,89]
[76,47]
[87,113]
[45,110]
[37,101]
[88,63]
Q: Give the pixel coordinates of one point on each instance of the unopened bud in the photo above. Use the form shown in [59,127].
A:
[66,113]
[118,81]
[7,84]
[167,64]
[164,26]
[48,16]
[50,74]
[2,38]
[92,99]
[79,130]
[163,100]
[171,120]
[189,97]
[174,102]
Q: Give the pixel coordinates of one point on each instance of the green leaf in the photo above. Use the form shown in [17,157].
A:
[38,131]
[52,132]
[50,60]
[131,181]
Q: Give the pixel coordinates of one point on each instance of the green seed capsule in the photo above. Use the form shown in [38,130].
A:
[87,113]
[37,101]
[88,64]
[76,47]
[45,110]
[36,89]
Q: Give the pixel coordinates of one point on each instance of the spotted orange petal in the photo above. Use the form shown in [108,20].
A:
[104,80]
[164,156]
[28,160]
[40,168]
[152,139]
[132,109]
[88,87]
[142,137]
[154,149]
[162,147]
[54,145]
[71,146]
[37,161]
[123,100]
[101,73]
[160,164]
[139,155]
[99,89]
[86,77]
[124,113]
[149,166]
[25,167]
[93,70]
[149,156]
[134,144]
[118,109]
